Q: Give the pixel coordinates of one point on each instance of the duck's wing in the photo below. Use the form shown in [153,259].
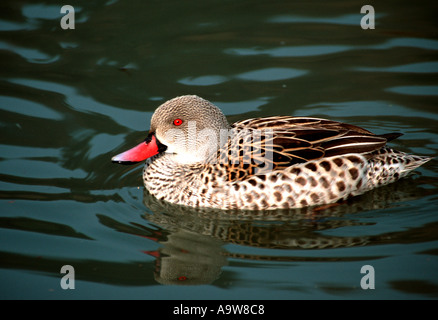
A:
[280,142]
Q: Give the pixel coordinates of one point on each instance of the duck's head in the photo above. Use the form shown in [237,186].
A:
[187,128]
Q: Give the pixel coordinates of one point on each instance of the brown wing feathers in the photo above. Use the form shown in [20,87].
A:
[305,139]
[292,140]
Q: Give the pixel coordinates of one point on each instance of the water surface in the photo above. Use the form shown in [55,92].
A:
[71,99]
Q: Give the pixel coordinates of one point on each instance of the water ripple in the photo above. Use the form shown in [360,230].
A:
[347,19]
[38,169]
[208,80]
[30,54]
[420,67]
[234,107]
[319,50]
[271,74]
[261,75]
[16,26]
[41,11]
[128,118]
[415,90]
[28,108]
[290,51]
[363,108]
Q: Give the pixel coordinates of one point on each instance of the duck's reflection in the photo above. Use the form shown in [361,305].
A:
[193,251]
[188,258]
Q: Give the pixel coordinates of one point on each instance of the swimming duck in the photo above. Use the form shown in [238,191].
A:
[194,157]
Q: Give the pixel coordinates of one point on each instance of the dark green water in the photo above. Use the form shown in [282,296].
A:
[71,99]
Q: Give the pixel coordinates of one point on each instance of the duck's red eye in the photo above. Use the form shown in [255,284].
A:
[177,122]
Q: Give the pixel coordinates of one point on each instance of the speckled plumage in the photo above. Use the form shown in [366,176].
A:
[316,182]
[269,163]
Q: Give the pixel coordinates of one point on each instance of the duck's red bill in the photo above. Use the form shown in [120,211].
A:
[144,150]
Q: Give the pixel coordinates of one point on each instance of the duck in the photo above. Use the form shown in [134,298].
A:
[194,157]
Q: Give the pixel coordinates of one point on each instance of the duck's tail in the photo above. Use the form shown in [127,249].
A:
[389,165]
